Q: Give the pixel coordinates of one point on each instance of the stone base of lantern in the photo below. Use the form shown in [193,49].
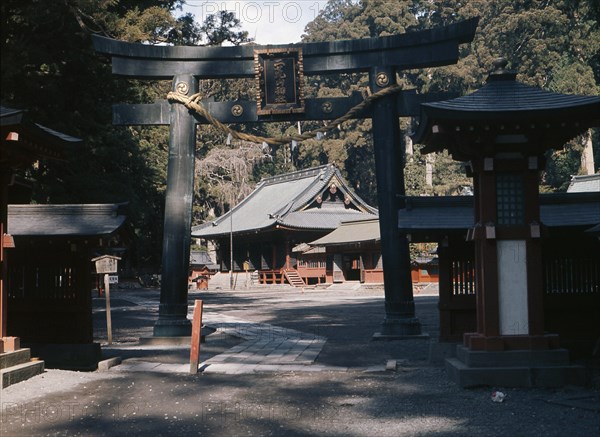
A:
[514,368]
[479,342]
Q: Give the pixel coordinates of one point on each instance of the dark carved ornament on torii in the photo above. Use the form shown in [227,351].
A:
[278,72]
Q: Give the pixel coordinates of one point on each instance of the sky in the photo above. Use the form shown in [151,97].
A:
[267,21]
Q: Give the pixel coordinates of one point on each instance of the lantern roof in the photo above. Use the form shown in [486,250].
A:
[505,114]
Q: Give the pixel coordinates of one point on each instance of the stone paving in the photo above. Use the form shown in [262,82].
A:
[266,348]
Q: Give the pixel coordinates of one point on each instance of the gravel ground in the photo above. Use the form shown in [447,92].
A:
[415,400]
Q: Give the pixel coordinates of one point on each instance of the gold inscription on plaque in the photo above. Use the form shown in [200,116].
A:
[279,78]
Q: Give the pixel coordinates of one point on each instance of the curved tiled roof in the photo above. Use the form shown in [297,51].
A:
[284,200]
[359,231]
[584,183]
[316,218]
[502,96]
[18,119]
[503,112]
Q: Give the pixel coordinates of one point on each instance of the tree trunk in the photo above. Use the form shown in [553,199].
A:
[587,155]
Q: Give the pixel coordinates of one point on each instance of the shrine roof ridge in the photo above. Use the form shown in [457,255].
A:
[299,174]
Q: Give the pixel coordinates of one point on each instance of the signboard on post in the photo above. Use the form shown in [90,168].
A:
[106,264]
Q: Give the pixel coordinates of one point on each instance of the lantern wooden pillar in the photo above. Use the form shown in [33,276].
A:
[508,265]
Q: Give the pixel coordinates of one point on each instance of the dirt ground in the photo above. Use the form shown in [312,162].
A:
[354,397]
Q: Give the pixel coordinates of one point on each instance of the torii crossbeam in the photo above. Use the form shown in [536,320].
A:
[278,71]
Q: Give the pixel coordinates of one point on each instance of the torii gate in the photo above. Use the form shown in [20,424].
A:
[278,71]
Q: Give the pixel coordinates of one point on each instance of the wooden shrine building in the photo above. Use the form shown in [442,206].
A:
[281,213]
[50,277]
[503,131]
[202,268]
[22,142]
[353,252]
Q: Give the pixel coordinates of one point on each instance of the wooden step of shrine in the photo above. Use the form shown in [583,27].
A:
[294,278]
[18,366]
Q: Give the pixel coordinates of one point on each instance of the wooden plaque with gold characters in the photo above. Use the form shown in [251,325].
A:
[279,77]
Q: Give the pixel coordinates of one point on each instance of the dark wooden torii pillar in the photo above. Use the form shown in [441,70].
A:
[382,57]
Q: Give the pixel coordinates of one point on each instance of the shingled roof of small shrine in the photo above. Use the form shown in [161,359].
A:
[502,97]
[288,201]
[65,220]
[455,213]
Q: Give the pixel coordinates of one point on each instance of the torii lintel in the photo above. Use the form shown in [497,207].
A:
[426,48]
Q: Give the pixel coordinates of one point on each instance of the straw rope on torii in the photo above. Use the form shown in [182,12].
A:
[193,103]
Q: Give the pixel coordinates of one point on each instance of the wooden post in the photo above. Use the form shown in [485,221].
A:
[4,181]
[3,291]
[108,318]
[196,336]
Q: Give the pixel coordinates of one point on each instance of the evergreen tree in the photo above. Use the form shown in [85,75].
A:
[50,68]
[554,45]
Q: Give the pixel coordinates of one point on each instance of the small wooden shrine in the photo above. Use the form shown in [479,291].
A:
[201,269]
[50,277]
[503,131]
[22,142]
[353,252]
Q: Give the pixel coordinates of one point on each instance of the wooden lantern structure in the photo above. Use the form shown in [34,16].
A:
[503,131]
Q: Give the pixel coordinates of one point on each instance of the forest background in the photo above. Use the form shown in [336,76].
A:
[49,68]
